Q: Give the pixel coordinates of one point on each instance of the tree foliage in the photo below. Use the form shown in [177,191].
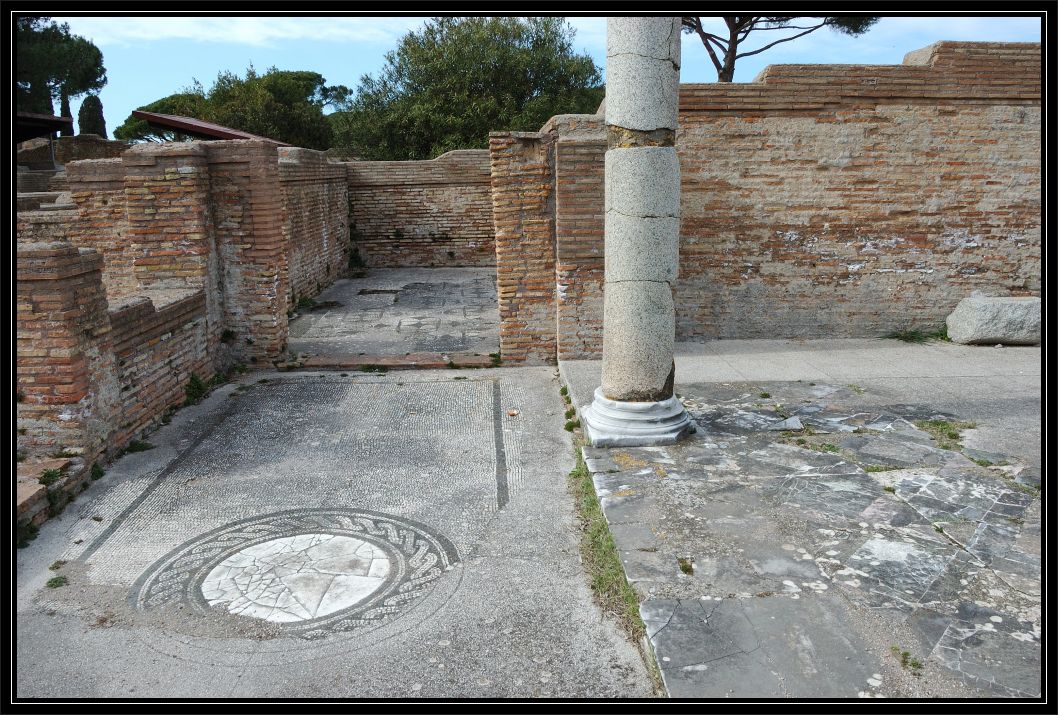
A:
[283,105]
[446,86]
[53,64]
[90,119]
[724,51]
[185,104]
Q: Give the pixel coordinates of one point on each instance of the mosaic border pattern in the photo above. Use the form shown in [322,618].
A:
[418,557]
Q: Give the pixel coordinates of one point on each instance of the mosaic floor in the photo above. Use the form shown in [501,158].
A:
[311,535]
[802,544]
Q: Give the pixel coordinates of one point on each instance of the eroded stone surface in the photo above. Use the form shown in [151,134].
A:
[861,515]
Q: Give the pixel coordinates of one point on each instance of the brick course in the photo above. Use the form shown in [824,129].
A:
[423,213]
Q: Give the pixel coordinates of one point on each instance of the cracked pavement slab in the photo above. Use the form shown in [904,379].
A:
[311,536]
[853,557]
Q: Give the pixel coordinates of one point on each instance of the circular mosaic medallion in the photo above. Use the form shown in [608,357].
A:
[312,571]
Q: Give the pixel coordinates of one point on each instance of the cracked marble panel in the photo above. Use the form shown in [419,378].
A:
[297,578]
[856,528]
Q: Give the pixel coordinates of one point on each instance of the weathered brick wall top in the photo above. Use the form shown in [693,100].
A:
[423,213]
[67,149]
[979,72]
[316,197]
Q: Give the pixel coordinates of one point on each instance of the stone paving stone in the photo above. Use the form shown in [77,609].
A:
[858,517]
[758,648]
[397,311]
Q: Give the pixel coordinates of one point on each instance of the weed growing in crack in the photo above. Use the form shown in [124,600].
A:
[686,565]
[57,581]
[907,661]
[25,532]
[195,390]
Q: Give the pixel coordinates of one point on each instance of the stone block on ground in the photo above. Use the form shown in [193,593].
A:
[986,320]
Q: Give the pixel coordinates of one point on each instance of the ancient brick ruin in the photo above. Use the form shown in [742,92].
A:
[817,201]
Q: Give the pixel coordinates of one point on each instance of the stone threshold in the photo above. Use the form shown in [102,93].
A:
[408,361]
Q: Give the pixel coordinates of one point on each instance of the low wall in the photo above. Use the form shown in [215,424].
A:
[423,213]
[67,149]
[316,197]
[819,201]
[159,341]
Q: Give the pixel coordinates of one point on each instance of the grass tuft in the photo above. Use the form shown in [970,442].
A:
[137,445]
[946,434]
[195,390]
[600,556]
[49,477]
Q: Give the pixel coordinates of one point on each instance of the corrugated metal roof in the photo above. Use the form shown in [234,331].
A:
[197,127]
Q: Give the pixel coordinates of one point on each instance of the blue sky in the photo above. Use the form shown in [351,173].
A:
[151,56]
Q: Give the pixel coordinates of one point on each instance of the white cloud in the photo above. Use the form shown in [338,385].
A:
[255,31]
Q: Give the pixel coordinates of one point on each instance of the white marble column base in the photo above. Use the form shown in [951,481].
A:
[613,423]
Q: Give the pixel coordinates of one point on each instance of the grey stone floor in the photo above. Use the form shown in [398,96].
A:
[313,535]
[809,534]
[393,311]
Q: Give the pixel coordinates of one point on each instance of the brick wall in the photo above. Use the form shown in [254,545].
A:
[97,188]
[828,201]
[423,213]
[159,341]
[523,208]
[853,201]
[316,196]
[67,394]
[67,149]
[251,249]
[580,146]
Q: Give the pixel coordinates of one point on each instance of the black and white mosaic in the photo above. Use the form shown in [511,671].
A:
[310,571]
